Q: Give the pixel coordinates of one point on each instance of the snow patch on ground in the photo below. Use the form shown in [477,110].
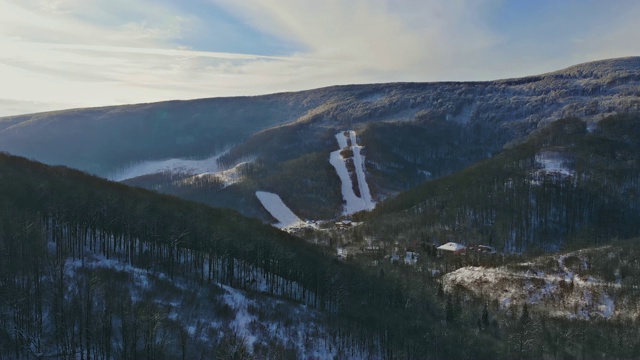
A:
[242,321]
[608,306]
[277,208]
[231,176]
[553,162]
[353,203]
[91,261]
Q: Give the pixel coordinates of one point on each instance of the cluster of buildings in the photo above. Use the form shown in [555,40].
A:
[413,251]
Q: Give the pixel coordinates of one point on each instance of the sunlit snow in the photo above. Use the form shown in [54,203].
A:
[183,166]
[228,177]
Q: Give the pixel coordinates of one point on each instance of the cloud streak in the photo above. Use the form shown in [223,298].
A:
[73,53]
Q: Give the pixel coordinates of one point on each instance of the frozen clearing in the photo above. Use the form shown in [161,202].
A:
[184,166]
[353,203]
[277,208]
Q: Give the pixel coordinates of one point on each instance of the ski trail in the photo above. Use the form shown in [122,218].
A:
[358,160]
[277,208]
[353,203]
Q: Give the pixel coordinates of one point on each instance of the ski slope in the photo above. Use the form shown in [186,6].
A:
[182,166]
[353,203]
[277,208]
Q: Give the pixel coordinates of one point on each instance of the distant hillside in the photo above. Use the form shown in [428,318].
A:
[105,140]
[411,132]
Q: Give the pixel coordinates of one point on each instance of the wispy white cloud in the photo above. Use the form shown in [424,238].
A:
[417,38]
[99,52]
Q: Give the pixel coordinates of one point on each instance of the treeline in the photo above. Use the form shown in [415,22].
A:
[50,216]
[513,203]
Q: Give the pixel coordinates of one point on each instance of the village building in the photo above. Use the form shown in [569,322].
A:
[451,248]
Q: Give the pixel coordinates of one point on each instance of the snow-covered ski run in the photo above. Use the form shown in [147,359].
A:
[277,208]
[353,203]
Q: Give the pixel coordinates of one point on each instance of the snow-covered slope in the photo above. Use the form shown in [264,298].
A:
[358,159]
[353,202]
[182,166]
[277,208]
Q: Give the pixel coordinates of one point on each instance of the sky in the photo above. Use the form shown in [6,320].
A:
[59,54]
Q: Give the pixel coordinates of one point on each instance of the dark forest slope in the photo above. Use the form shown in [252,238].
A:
[567,182]
[54,220]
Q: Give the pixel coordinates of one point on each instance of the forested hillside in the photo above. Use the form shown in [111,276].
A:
[566,183]
[93,269]
[57,221]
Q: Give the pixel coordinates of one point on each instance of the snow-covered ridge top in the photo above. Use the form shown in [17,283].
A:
[603,67]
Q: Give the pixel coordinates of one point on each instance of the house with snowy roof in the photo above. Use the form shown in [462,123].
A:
[451,248]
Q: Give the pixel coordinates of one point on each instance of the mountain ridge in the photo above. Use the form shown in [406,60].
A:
[277,129]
